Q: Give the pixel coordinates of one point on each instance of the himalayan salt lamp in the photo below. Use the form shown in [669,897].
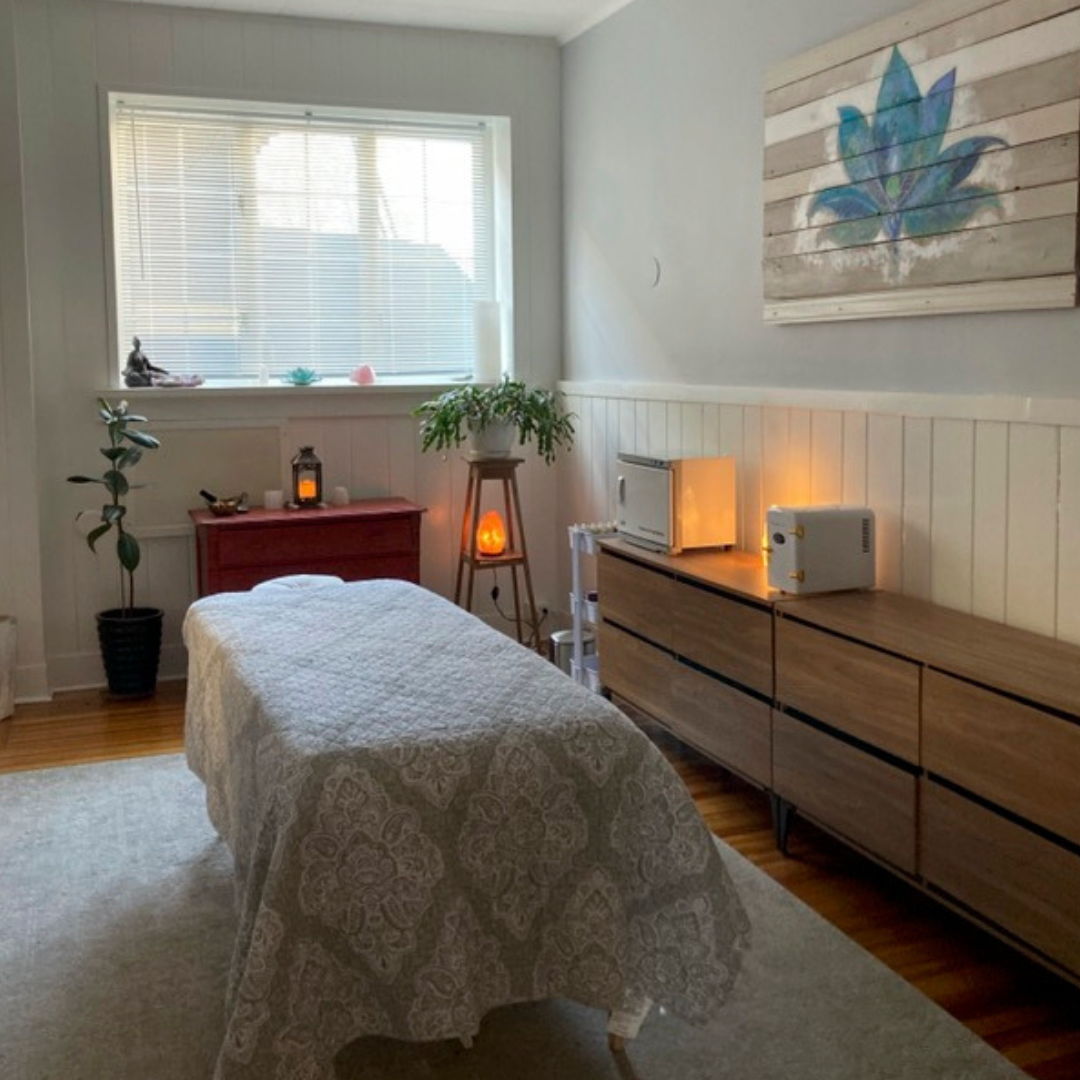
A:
[491,534]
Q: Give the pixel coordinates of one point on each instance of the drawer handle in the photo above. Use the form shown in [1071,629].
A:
[622,489]
[799,531]
[797,575]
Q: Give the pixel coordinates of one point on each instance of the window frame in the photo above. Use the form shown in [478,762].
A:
[499,149]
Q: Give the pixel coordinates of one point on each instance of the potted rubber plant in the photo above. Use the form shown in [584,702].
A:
[130,636]
[494,418]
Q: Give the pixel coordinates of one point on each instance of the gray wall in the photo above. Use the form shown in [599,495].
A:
[20,559]
[68,52]
[662,158]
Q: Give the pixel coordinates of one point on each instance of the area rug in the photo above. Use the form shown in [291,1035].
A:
[115,930]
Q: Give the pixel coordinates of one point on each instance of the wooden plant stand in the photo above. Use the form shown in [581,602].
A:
[515,557]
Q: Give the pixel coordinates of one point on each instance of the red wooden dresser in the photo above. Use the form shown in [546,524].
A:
[367,539]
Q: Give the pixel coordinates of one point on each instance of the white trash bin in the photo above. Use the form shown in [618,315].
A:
[7,666]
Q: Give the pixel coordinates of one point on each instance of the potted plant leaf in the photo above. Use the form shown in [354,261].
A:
[130,636]
[493,418]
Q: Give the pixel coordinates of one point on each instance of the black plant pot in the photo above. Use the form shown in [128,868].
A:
[131,648]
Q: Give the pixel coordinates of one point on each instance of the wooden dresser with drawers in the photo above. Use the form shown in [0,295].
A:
[371,538]
[945,746]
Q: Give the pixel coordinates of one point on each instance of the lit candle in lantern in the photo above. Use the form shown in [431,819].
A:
[491,534]
[307,479]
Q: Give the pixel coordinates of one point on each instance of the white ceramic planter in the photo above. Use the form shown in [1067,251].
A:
[495,440]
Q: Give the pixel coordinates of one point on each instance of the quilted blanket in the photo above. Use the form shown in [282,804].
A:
[429,821]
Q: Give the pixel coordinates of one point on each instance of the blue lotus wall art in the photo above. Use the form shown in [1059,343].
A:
[904,182]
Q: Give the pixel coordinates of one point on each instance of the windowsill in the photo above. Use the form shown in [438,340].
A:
[332,387]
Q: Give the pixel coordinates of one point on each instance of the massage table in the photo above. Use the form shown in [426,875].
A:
[429,821]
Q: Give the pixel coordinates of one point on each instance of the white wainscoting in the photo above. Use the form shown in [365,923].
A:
[371,455]
[69,52]
[381,456]
[978,514]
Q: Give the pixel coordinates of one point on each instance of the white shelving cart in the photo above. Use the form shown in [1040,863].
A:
[583,605]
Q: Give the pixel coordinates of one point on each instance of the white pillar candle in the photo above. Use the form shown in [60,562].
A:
[487,323]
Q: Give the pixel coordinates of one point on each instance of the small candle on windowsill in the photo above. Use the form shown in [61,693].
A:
[305,489]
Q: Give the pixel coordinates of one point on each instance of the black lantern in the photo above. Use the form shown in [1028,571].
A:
[306,479]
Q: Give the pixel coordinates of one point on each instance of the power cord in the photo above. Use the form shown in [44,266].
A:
[535,638]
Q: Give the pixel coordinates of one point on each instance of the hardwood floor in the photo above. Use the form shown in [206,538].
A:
[84,726]
[1027,1014]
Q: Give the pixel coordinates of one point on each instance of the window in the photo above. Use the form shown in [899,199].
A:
[250,240]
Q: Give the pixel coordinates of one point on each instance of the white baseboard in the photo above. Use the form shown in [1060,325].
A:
[31,684]
[100,684]
[83,671]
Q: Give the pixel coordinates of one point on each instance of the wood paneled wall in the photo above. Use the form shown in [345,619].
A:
[371,455]
[978,515]
[381,456]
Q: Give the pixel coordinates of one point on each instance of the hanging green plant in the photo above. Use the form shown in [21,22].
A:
[529,412]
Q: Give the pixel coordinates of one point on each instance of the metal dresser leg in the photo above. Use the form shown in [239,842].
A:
[782,813]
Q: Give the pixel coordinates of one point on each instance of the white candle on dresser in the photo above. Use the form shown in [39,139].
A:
[487,323]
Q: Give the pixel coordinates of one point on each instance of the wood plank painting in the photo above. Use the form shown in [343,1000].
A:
[926,164]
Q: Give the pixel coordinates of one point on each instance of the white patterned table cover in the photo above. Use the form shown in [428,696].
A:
[429,821]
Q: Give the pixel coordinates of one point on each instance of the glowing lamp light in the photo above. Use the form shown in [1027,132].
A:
[491,534]
[307,478]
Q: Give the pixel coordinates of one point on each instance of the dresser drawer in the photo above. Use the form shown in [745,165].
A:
[726,636]
[1012,754]
[636,671]
[1020,881]
[864,692]
[303,543]
[723,723]
[855,793]
[636,597]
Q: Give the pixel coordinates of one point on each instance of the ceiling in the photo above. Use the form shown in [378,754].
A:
[562,19]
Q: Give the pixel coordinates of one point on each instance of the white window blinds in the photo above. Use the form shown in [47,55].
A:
[248,243]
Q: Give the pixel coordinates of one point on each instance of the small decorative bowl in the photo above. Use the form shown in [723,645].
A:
[301,376]
[237,504]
